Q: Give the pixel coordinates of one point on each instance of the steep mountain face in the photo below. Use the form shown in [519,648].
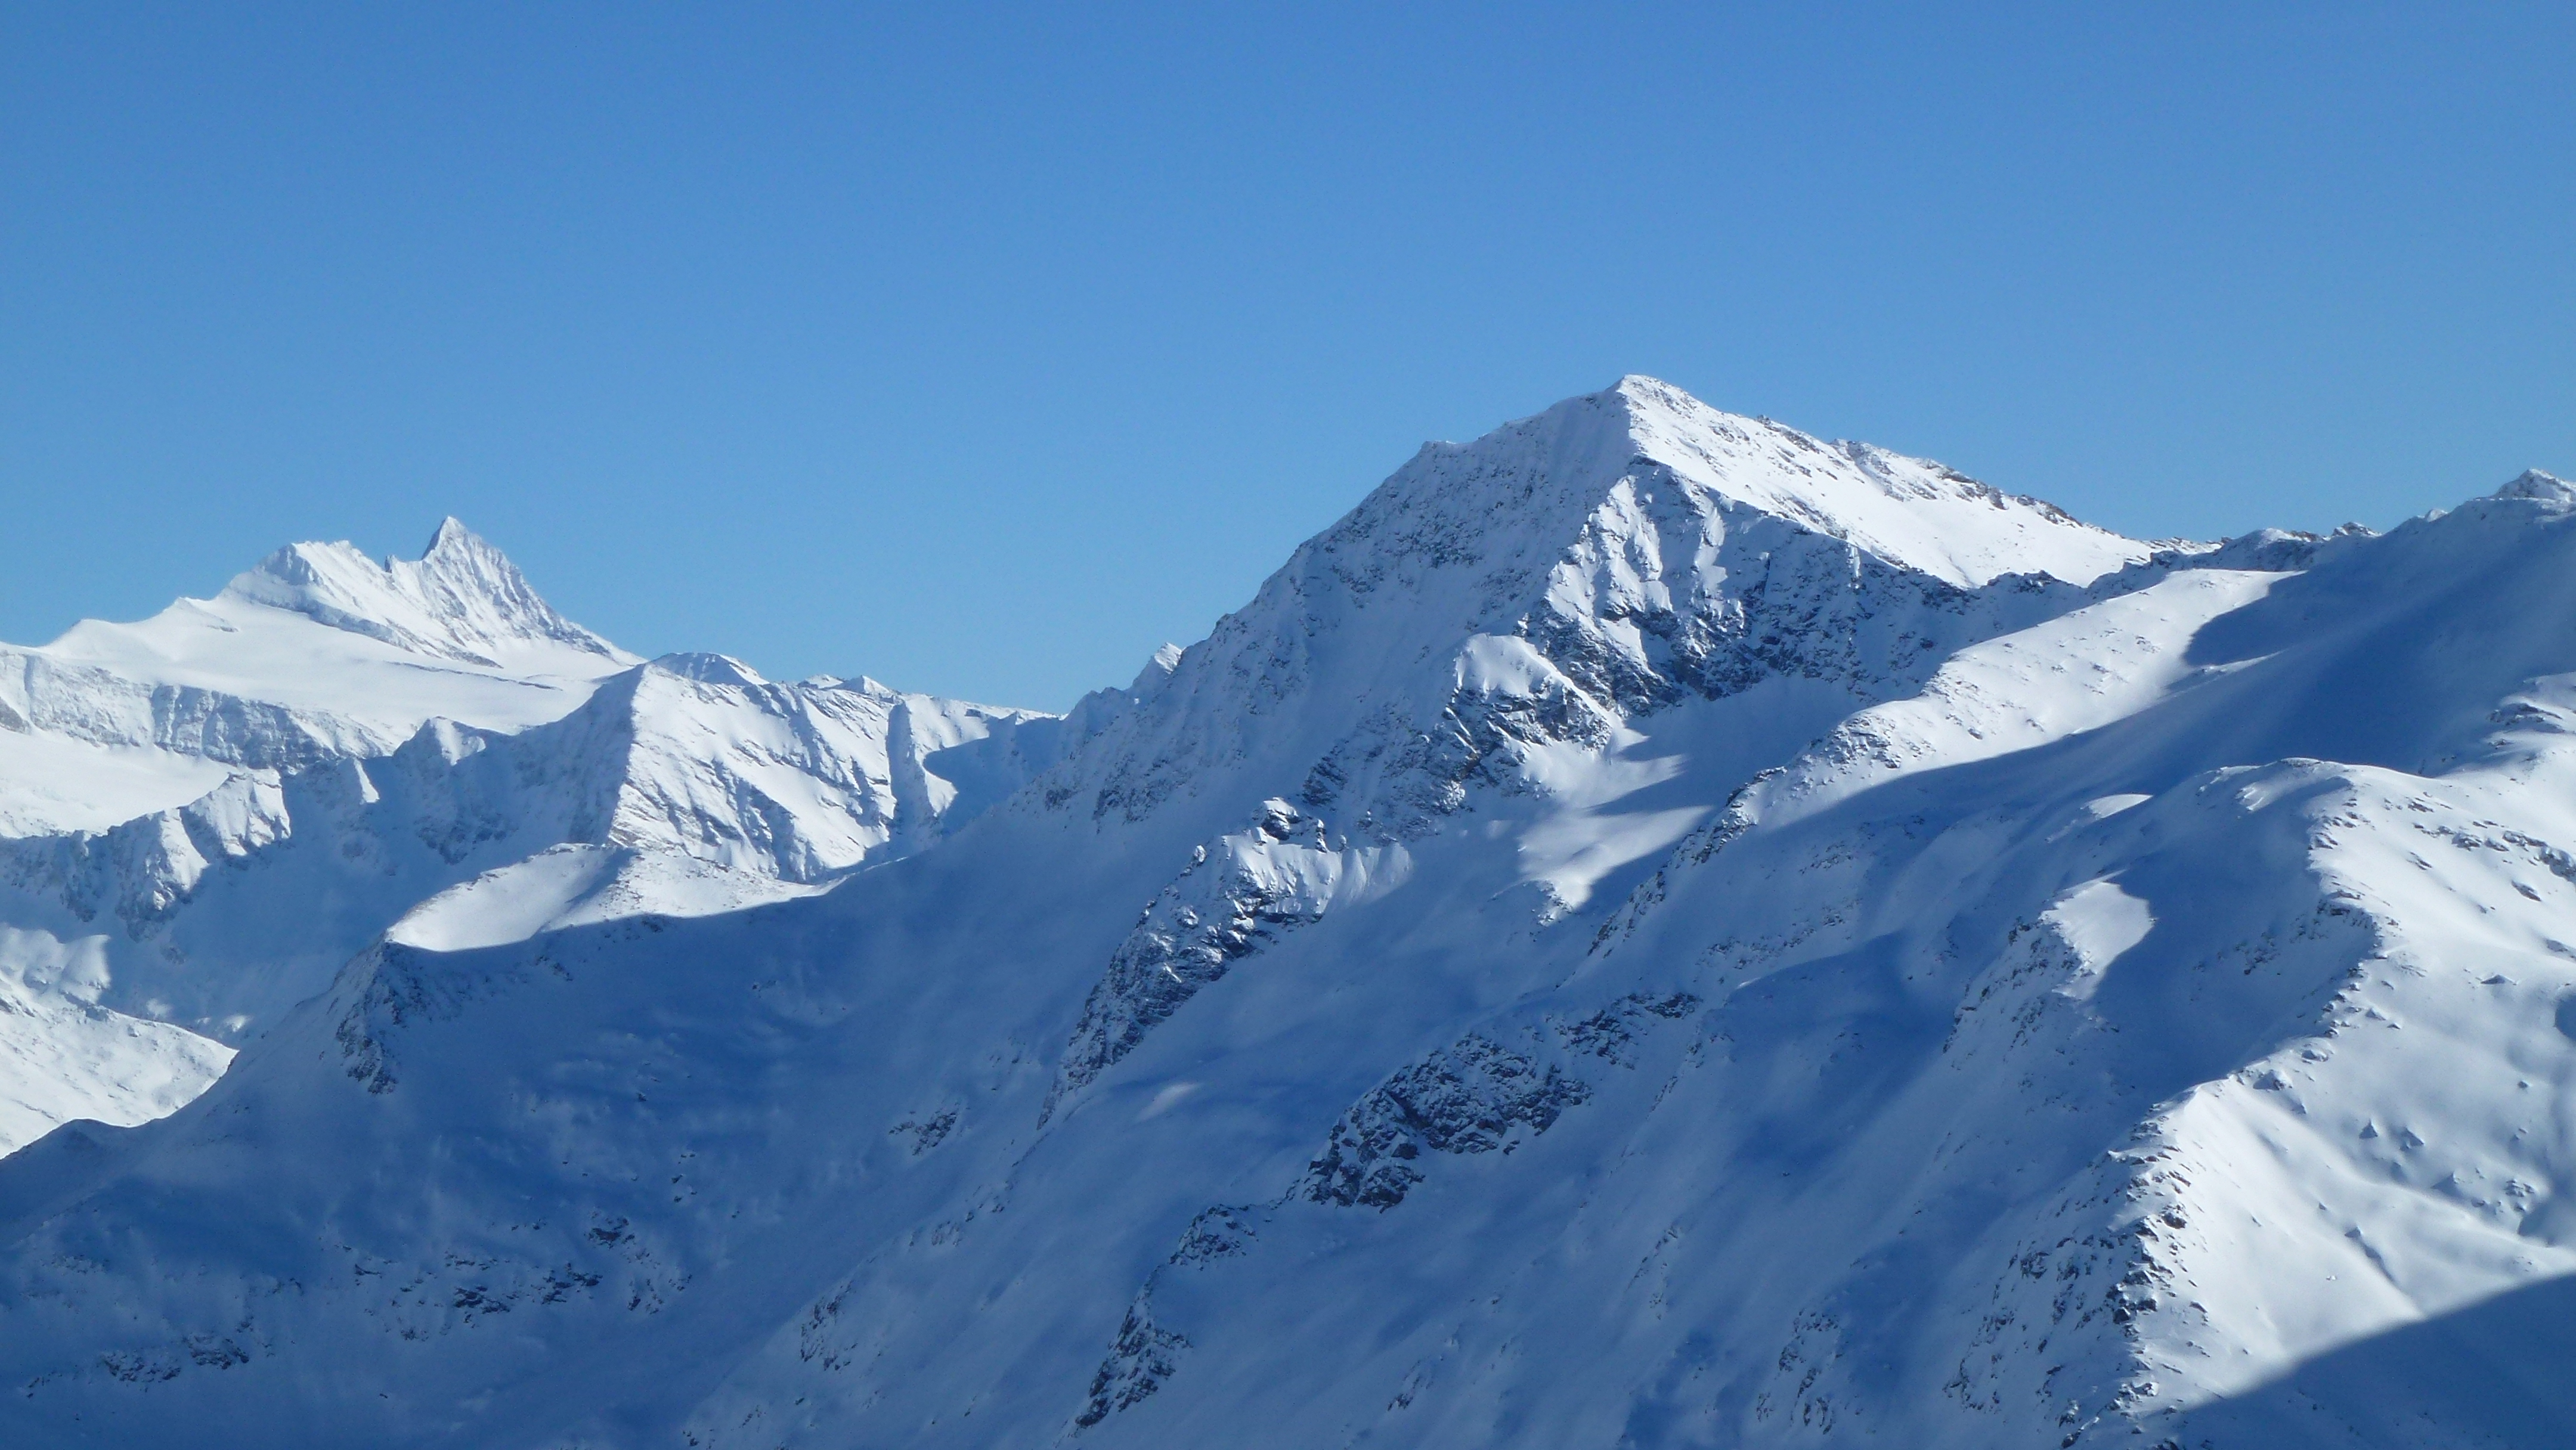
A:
[1615,556]
[137,954]
[1653,930]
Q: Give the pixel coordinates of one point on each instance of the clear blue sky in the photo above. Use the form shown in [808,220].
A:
[983,349]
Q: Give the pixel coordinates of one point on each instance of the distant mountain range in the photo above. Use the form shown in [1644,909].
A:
[1653,930]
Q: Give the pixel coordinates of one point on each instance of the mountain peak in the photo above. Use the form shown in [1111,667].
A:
[1157,669]
[708,669]
[1618,552]
[1531,484]
[1641,390]
[462,599]
[452,537]
[2534,484]
[1909,511]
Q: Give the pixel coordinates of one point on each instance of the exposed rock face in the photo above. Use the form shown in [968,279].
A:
[1474,1097]
[1252,888]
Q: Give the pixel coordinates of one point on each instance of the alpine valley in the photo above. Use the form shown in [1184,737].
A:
[1653,930]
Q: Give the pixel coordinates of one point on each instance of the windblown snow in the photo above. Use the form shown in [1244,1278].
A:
[1653,930]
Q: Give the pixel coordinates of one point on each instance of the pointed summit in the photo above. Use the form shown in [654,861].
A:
[317,652]
[1565,574]
[451,533]
[708,669]
[2534,484]
[1644,482]
[1157,669]
[1911,512]
[462,599]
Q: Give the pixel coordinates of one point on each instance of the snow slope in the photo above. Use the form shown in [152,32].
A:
[1652,931]
[318,652]
[299,837]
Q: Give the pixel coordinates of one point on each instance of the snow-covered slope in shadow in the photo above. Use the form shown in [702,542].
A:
[1654,930]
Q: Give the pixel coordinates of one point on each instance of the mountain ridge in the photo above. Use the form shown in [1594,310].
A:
[315,653]
[1579,958]
[1575,550]
[229,874]
[460,593]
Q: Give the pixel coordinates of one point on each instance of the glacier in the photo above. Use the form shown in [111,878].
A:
[1655,929]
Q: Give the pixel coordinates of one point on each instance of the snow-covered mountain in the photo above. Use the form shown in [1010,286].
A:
[330,743]
[317,653]
[1654,930]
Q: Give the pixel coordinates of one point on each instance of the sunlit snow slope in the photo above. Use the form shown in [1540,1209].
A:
[1654,930]
[209,812]
[318,652]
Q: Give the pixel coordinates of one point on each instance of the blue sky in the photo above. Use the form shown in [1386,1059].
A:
[983,349]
